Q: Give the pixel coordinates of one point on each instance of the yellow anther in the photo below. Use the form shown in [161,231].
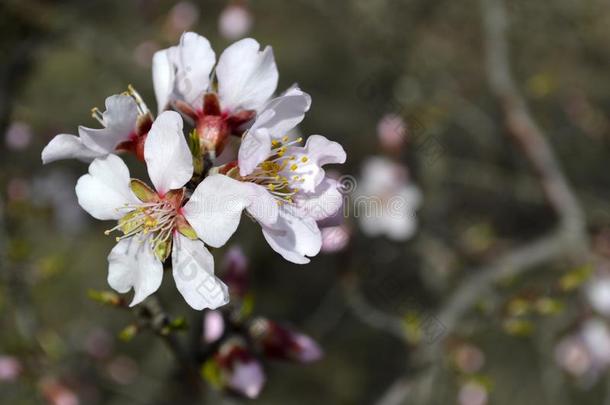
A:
[294,167]
[292,157]
[117,239]
[285,138]
[275,143]
[304,159]
[299,139]
[271,187]
[107,233]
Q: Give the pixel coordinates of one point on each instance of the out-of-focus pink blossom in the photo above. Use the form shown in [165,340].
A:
[335,238]
[143,53]
[10,368]
[241,373]
[123,370]
[572,355]
[469,358]
[247,378]
[182,17]
[392,132]
[213,326]
[472,393]
[280,342]
[58,394]
[99,343]
[235,273]
[18,136]
[18,189]
[235,21]
[585,353]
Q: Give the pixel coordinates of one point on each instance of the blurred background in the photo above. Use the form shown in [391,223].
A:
[466,297]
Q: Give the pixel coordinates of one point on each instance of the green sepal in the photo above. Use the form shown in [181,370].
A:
[142,191]
[162,250]
[185,229]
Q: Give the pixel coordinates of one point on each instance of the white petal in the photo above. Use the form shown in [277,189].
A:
[262,205]
[247,77]
[65,146]
[254,149]
[164,76]
[289,110]
[323,151]
[132,264]
[194,62]
[294,237]
[104,192]
[324,202]
[318,151]
[214,209]
[193,269]
[119,120]
[168,158]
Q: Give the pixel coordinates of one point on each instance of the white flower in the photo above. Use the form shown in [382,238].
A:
[386,201]
[125,123]
[221,100]
[155,223]
[247,76]
[293,191]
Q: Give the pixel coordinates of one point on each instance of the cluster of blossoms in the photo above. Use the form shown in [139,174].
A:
[239,342]
[197,202]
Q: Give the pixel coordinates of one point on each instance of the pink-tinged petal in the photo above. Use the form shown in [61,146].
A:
[10,368]
[335,238]
[247,77]
[105,191]
[294,236]
[235,271]
[133,264]
[193,270]
[324,202]
[254,149]
[164,76]
[167,155]
[288,111]
[119,124]
[194,62]
[65,146]
[213,326]
[247,378]
[214,210]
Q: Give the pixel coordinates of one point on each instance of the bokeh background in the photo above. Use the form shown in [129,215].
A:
[536,337]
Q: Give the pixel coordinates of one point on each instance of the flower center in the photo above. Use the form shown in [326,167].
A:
[152,221]
[278,172]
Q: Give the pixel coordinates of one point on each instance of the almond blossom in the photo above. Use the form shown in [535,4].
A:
[125,122]
[155,223]
[219,101]
[386,200]
[294,191]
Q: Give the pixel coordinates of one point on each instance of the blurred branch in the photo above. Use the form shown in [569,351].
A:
[368,314]
[568,240]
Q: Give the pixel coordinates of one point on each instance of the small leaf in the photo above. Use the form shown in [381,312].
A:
[105,297]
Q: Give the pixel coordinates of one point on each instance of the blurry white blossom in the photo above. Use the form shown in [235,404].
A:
[598,293]
[235,21]
[472,393]
[585,354]
[386,200]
